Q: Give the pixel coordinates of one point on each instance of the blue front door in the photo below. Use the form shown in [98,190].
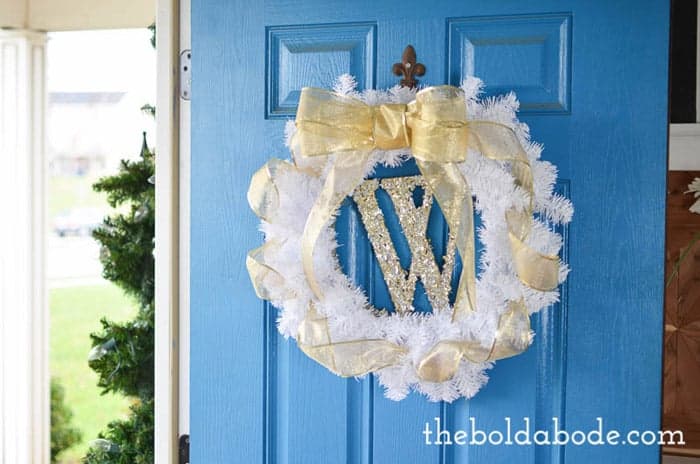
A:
[591,78]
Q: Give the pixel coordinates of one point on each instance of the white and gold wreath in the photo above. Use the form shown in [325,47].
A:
[473,155]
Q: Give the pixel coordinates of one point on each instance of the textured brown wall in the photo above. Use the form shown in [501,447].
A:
[681,403]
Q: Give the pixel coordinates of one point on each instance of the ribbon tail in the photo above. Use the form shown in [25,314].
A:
[346,172]
[263,276]
[452,193]
[263,198]
[513,336]
[498,142]
[353,358]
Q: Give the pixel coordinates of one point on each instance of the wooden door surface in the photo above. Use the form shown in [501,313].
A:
[592,81]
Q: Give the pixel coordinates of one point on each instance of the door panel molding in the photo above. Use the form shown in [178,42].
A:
[536,47]
[313,55]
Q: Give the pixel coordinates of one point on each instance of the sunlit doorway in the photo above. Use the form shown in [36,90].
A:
[98,84]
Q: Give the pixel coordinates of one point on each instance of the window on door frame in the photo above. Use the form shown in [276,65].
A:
[684,138]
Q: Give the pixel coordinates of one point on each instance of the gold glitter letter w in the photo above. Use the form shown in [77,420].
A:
[414,222]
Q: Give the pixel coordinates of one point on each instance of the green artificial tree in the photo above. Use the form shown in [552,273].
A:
[122,353]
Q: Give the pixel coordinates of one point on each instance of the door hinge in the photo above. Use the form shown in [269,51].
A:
[185,74]
[183,450]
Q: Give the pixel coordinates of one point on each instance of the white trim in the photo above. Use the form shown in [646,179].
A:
[184,368]
[167,234]
[41,386]
[24,316]
[684,147]
[697,69]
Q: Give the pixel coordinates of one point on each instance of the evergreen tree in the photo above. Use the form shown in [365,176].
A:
[122,353]
[63,433]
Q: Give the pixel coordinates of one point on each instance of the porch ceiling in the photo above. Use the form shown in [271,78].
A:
[65,15]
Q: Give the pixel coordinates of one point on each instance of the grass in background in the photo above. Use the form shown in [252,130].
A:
[75,312]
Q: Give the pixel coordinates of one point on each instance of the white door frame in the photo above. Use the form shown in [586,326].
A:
[172,234]
[184,222]
[167,234]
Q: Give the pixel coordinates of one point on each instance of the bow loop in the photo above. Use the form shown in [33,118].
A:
[440,103]
[438,123]
[328,123]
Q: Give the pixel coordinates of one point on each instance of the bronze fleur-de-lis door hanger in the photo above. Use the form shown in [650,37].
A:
[409,68]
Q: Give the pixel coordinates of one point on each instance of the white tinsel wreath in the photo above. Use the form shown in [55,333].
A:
[346,307]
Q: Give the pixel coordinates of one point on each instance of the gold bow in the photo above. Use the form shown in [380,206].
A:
[436,129]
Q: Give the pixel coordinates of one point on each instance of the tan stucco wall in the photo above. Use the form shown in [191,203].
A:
[13,13]
[67,15]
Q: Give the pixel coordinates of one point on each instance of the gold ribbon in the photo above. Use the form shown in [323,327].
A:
[513,336]
[352,358]
[263,198]
[349,358]
[436,129]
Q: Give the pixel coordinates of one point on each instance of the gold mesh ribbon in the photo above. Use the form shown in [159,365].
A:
[352,358]
[436,129]
[513,336]
[349,358]
[263,198]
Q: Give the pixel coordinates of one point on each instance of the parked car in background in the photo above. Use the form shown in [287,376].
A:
[77,222]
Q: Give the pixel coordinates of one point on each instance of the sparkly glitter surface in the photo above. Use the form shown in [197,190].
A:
[414,225]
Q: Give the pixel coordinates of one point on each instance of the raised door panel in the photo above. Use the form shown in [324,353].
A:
[527,54]
[313,56]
